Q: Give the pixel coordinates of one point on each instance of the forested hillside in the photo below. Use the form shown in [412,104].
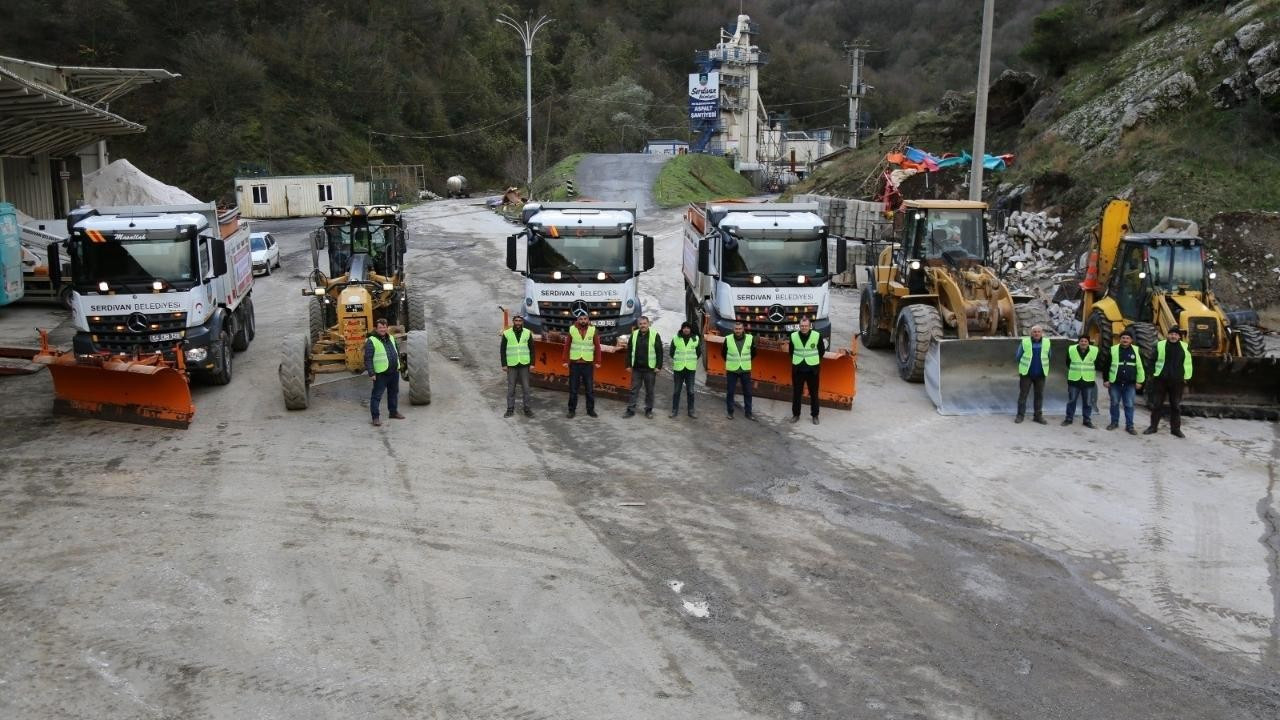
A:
[295,86]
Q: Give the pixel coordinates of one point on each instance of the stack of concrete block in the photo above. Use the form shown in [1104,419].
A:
[1026,238]
[1064,315]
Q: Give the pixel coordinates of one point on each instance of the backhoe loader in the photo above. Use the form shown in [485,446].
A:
[1150,282]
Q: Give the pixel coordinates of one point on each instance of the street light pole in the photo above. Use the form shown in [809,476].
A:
[980,109]
[527,31]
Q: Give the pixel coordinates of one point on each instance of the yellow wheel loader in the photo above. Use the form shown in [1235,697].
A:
[364,248]
[1149,282]
[952,322]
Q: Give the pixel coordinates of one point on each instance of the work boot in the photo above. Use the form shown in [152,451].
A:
[528,413]
[377,422]
[729,414]
[1039,419]
[397,416]
[795,419]
[1088,424]
[751,417]
[1113,426]
[1150,431]
[649,413]
[1178,434]
[1066,422]
[1130,430]
[815,419]
[570,414]
[629,413]
[1019,419]
[675,413]
[509,412]
[693,414]
[592,413]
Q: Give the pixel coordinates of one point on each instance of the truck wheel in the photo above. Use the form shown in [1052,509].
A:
[66,297]
[1252,342]
[415,367]
[253,321]
[1098,328]
[294,352]
[918,327]
[417,319]
[240,338]
[222,353]
[873,336]
[1032,313]
[315,319]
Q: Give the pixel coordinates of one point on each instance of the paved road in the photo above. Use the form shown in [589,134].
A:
[889,563]
[621,177]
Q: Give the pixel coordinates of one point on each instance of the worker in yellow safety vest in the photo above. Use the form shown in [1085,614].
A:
[582,357]
[1033,368]
[739,348]
[686,348]
[645,361]
[807,348]
[516,351]
[382,364]
[1168,380]
[1082,361]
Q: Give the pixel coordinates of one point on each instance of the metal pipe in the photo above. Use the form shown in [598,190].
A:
[980,111]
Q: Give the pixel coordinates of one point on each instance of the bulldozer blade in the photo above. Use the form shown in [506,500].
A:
[771,374]
[611,380]
[1240,388]
[121,391]
[979,376]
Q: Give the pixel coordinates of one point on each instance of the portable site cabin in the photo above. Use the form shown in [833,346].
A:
[666,147]
[283,196]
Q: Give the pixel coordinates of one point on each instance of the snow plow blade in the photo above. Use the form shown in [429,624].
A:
[979,376]
[1239,388]
[771,374]
[612,378]
[144,392]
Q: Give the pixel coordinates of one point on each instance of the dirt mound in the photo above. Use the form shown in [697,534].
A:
[120,183]
[1246,246]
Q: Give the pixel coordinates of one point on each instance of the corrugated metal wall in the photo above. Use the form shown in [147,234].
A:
[303,201]
[32,194]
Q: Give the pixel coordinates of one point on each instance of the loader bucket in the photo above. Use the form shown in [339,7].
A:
[771,374]
[979,376]
[612,378]
[119,390]
[1240,388]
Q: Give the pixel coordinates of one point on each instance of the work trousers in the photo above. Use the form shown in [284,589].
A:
[517,374]
[1026,384]
[1170,389]
[731,379]
[1087,394]
[799,380]
[683,378]
[645,377]
[582,373]
[388,382]
[1122,396]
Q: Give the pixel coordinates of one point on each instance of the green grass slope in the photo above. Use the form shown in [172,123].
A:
[695,178]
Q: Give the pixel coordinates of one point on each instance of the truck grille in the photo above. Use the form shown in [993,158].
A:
[132,333]
[771,320]
[1202,335]
[558,316]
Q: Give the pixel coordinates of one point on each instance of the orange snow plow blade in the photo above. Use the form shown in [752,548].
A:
[146,391]
[612,378]
[771,373]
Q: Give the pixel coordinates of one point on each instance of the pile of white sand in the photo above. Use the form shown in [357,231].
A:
[120,183]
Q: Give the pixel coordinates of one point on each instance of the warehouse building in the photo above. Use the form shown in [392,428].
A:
[284,196]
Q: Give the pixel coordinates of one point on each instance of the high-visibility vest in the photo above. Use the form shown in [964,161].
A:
[518,350]
[1116,364]
[738,359]
[380,361]
[806,353]
[686,354]
[1186,359]
[1024,364]
[1081,368]
[582,349]
[653,347]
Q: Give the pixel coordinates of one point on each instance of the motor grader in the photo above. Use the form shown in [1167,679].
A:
[952,321]
[1150,282]
[364,249]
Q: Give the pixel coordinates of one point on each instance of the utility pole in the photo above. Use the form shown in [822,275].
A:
[980,109]
[856,52]
[527,31]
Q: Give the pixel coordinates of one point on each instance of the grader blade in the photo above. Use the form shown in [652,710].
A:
[979,376]
[1240,388]
[612,378]
[142,392]
[771,374]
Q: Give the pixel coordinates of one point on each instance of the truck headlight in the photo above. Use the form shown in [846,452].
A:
[528,302]
[388,287]
[915,264]
[196,355]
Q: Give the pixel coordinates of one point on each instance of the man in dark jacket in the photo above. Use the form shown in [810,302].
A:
[1033,367]
[739,349]
[645,360]
[1124,375]
[807,348]
[1169,378]
[382,364]
[686,348]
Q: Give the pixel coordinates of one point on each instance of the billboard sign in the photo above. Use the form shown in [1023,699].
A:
[704,95]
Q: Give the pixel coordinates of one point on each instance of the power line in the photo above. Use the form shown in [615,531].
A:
[469,131]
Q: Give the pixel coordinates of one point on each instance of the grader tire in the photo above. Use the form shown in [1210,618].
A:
[293,371]
[869,330]
[1030,314]
[315,318]
[416,370]
[417,319]
[1098,328]
[1252,342]
[917,328]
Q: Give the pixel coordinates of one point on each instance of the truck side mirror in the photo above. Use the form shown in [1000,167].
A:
[648,251]
[511,252]
[219,248]
[55,265]
[704,257]
[842,255]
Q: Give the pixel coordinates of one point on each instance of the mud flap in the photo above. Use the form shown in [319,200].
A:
[979,376]
[612,378]
[119,390]
[771,374]
[1238,387]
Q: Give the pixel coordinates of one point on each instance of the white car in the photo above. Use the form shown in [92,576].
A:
[266,252]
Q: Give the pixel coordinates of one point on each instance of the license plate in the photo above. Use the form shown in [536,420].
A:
[792,326]
[162,337]
[605,323]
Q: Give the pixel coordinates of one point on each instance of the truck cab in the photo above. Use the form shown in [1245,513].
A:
[579,259]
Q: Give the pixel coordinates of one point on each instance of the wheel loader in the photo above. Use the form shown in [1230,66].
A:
[1149,282]
[364,249]
[952,322]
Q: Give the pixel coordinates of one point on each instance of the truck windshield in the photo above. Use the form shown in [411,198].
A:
[951,231]
[1173,266]
[587,254]
[781,260]
[135,261]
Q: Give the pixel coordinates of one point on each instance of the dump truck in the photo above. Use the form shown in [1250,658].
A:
[952,321]
[765,265]
[159,295]
[364,249]
[1149,282]
[580,259]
